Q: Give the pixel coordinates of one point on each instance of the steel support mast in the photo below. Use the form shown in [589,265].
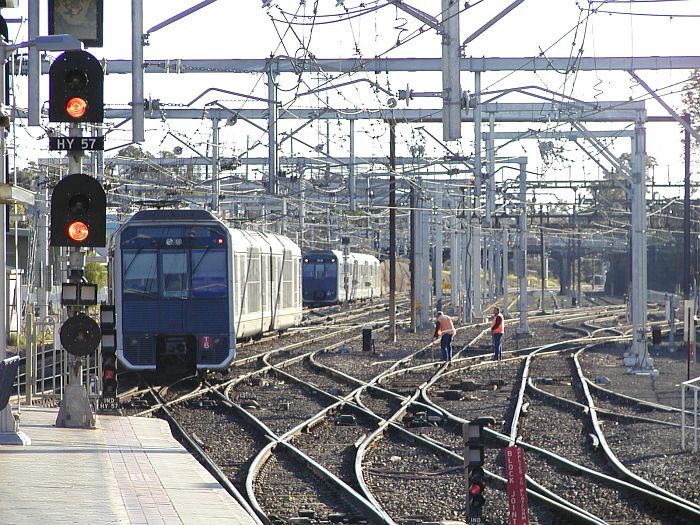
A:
[638,357]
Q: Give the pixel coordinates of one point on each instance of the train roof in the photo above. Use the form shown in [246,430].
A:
[364,257]
[241,238]
[357,256]
[172,214]
[244,238]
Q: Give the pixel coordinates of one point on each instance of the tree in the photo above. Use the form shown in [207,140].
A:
[96,272]
[691,103]
[610,193]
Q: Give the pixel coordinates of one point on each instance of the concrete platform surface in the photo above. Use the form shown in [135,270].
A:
[127,470]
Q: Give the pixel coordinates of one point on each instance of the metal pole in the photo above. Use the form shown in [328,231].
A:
[504,265]
[490,240]
[30,367]
[578,265]
[423,295]
[137,100]
[462,262]
[451,104]
[542,308]
[302,210]
[686,234]
[682,417]
[475,270]
[215,164]
[392,229]
[6,419]
[34,71]
[273,115]
[695,420]
[351,167]
[476,231]
[75,410]
[412,251]
[437,258]
[455,261]
[522,250]
[639,358]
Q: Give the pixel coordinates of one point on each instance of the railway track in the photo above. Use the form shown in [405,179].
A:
[369,442]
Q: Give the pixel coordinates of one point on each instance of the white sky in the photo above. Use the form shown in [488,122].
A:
[243,29]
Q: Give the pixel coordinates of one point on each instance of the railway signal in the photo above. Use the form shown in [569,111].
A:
[108,397]
[473,435]
[78,212]
[80,335]
[476,492]
[76,88]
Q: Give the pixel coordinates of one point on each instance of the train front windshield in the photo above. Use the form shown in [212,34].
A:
[320,278]
[173,262]
[321,270]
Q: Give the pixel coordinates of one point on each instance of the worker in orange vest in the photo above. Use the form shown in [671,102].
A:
[445,330]
[497,333]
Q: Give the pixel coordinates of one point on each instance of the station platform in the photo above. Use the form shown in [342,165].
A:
[126,470]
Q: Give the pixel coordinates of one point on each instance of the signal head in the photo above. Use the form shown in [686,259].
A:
[78,212]
[76,88]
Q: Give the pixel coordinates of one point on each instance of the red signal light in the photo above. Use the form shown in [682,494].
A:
[76,107]
[475,489]
[108,374]
[78,231]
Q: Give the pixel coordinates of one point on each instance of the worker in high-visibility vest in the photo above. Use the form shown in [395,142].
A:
[445,330]
[497,333]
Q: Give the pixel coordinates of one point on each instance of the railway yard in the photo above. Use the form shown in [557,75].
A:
[259,259]
[309,428]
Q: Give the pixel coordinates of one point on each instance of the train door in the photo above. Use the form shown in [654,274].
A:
[239,269]
[355,279]
[367,280]
[275,289]
[265,285]
[296,282]
[339,279]
[255,291]
[175,349]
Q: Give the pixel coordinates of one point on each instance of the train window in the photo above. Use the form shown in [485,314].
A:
[287,270]
[140,272]
[252,284]
[320,270]
[309,269]
[208,273]
[331,270]
[174,274]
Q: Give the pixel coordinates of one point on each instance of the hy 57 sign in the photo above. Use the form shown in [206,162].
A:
[76,143]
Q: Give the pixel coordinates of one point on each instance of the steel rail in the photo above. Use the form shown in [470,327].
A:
[688,507]
[209,464]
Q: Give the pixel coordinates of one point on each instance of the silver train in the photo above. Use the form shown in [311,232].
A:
[186,287]
[324,273]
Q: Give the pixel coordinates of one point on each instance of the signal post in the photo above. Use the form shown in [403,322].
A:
[78,220]
[475,477]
